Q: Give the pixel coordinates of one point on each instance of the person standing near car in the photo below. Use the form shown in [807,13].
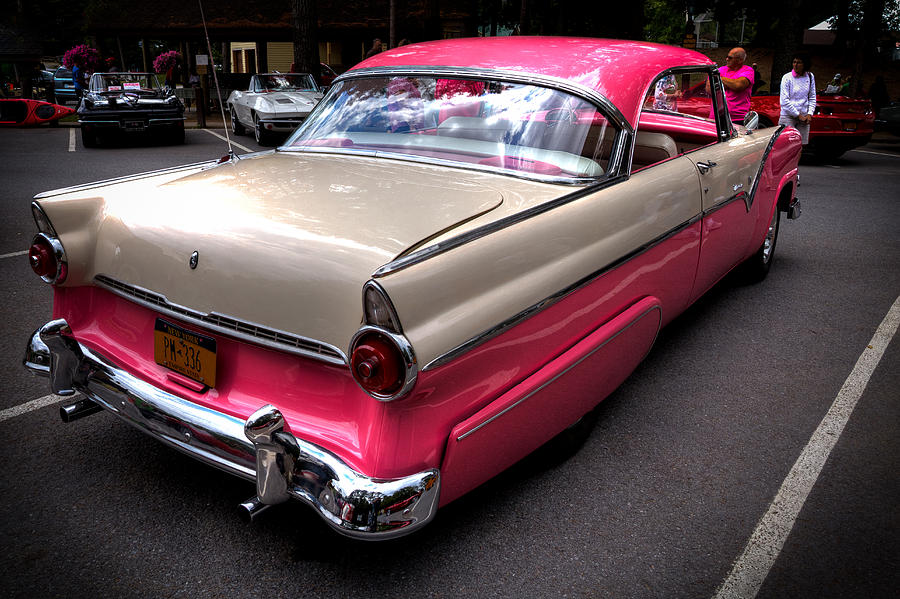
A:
[738,81]
[798,97]
[78,79]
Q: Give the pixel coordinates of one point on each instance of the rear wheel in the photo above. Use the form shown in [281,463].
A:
[828,153]
[757,266]
[177,135]
[88,138]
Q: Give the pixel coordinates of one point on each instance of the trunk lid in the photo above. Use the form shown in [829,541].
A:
[283,240]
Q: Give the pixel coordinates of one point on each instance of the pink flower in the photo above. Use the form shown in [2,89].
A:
[87,56]
[166,61]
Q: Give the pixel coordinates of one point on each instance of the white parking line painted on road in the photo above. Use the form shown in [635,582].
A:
[14,254]
[766,542]
[71,139]
[30,406]
[877,153]
[234,143]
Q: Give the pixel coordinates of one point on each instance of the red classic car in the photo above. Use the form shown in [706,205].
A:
[839,124]
[465,248]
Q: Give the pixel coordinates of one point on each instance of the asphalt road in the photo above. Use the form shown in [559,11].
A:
[686,459]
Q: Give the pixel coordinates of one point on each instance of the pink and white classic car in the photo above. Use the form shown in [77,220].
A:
[463,250]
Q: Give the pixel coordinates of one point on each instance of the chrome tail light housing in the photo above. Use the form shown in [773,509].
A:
[382,360]
[46,256]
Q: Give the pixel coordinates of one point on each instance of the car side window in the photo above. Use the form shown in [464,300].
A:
[677,116]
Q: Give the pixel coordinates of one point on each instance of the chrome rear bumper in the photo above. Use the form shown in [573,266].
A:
[261,448]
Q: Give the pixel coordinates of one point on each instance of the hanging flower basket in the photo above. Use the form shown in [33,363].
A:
[166,61]
[89,57]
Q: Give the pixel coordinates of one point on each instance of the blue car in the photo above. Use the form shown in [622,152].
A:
[63,86]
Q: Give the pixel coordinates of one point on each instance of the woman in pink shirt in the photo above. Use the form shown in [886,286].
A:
[738,81]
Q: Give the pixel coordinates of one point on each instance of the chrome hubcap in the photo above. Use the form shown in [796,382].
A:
[769,243]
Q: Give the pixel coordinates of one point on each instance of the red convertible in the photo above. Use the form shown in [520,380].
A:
[839,124]
[466,247]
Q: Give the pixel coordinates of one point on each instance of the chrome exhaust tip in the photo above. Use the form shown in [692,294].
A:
[79,409]
[250,509]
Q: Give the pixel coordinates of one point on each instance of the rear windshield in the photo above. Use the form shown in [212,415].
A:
[491,124]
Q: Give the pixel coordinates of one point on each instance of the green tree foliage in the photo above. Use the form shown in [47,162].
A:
[665,21]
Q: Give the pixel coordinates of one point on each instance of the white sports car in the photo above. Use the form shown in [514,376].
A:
[275,103]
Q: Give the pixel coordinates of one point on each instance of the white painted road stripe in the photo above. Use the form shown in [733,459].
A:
[877,153]
[14,254]
[234,143]
[35,404]
[766,542]
[71,139]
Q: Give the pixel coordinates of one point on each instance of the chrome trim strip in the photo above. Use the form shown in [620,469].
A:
[98,122]
[262,448]
[284,121]
[389,304]
[227,325]
[762,165]
[552,299]
[105,182]
[38,214]
[444,246]
[742,195]
[566,371]
[494,170]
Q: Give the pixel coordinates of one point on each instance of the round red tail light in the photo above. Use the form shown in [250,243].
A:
[377,365]
[48,258]
[42,259]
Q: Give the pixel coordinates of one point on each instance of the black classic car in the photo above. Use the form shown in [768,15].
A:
[129,103]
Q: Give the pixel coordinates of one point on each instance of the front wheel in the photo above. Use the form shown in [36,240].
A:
[757,266]
[236,127]
[262,136]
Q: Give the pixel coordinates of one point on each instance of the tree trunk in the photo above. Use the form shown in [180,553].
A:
[433,20]
[787,41]
[392,33]
[305,24]
[523,19]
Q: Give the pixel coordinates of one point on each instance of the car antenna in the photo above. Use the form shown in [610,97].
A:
[230,155]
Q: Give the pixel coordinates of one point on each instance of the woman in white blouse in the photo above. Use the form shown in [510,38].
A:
[798,97]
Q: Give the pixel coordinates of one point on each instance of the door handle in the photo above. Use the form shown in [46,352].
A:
[705,166]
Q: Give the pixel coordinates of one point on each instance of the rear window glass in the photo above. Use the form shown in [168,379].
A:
[492,124]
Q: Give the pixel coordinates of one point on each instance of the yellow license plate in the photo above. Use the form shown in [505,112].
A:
[185,352]
[849,126]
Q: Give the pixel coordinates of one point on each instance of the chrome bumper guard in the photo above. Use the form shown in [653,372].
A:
[261,449]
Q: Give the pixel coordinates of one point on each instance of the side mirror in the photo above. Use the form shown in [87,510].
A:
[751,121]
